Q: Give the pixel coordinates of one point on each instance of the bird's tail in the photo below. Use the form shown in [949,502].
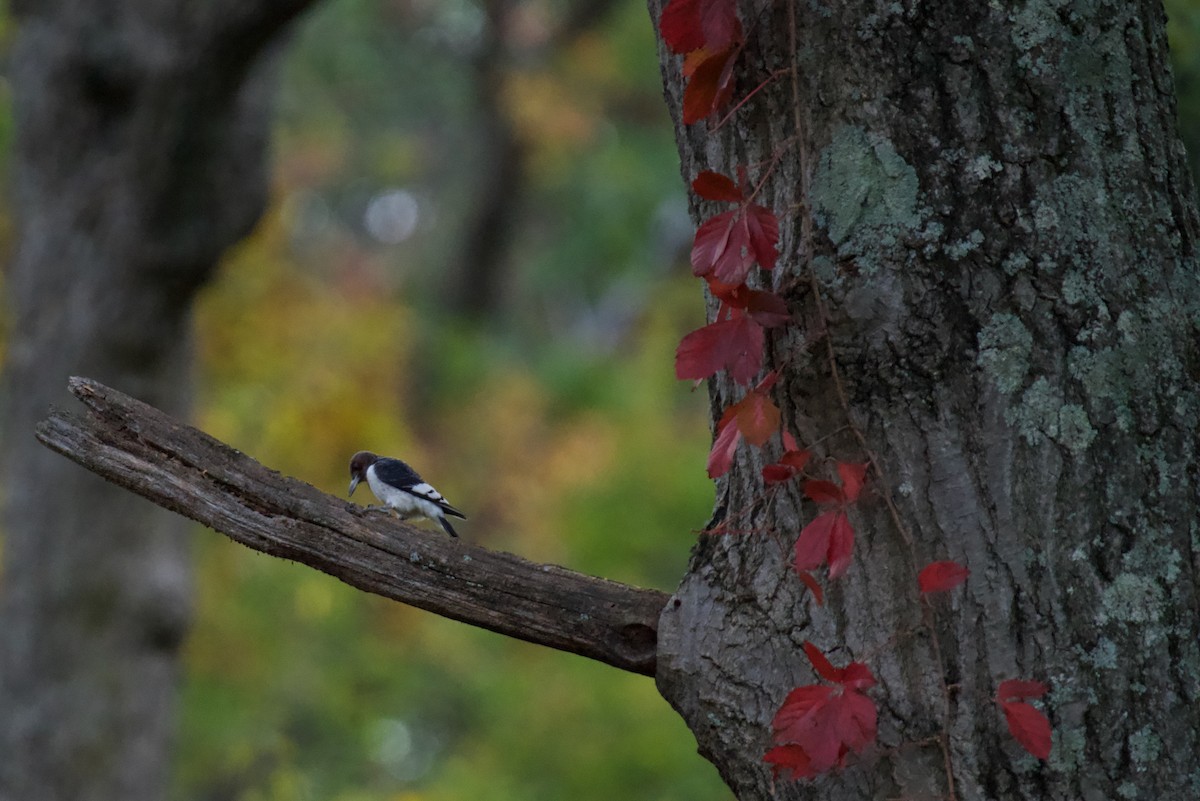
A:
[446,525]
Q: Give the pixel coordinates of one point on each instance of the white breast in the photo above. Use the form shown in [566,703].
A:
[407,504]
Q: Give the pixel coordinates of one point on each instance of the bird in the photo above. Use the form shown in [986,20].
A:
[398,485]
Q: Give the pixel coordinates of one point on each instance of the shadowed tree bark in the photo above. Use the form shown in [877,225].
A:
[139,156]
[1004,246]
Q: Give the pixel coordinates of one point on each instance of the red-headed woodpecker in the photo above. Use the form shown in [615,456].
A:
[399,486]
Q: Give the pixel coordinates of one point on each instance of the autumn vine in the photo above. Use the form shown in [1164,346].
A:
[818,727]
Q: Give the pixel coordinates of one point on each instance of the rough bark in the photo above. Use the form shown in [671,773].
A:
[139,157]
[182,469]
[1005,241]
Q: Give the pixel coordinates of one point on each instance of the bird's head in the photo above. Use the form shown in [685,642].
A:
[358,467]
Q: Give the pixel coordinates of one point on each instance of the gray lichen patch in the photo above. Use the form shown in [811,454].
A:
[959,250]
[1004,347]
[1144,748]
[1080,290]
[1042,412]
[1071,216]
[1104,655]
[864,193]
[1139,378]
[1131,599]
[1068,753]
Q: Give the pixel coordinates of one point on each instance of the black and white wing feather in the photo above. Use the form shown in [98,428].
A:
[399,475]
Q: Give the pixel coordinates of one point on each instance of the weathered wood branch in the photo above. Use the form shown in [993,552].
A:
[183,469]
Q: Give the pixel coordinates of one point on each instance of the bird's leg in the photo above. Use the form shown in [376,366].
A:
[391,511]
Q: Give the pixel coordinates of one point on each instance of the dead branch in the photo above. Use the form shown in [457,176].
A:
[183,469]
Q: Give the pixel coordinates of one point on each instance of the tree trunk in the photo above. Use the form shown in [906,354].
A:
[1004,239]
[139,158]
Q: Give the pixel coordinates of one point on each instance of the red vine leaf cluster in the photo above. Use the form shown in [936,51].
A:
[819,725]
[755,417]
[829,538]
[708,34]
[728,244]
[725,249]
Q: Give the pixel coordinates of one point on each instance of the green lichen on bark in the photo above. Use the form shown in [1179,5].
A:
[1144,748]
[1131,599]
[1068,753]
[1004,347]
[1043,413]
[864,193]
[1104,656]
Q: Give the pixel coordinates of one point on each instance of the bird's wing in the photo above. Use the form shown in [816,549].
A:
[396,473]
[400,475]
[426,491]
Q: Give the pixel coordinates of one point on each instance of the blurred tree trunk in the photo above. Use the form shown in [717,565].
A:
[1005,240]
[141,131]
[482,264]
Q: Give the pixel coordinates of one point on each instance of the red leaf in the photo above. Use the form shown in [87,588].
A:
[732,294]
[777,473]
[841,545]
[757,418]
[826,723]
[941,576]
[821,664]
[745,350]
[735,344]
[855,723]
[704,351]
[790,760]
[1020,688]
[734,266]
[720,458]
[828,538]
[719,23]
[789,442]
[795,459]
[710,84]
[795,715]
[852,479]
[688,25]
[763,230]
[811,583]
[767,308]
[1029,726]
[812,548]
[680,26]
[712,243]
[824,492]
[788,465]
[714,186]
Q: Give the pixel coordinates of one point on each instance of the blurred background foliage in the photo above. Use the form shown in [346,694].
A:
[472,260]
[535,390]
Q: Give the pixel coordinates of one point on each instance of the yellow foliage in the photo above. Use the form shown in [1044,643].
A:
[297,371]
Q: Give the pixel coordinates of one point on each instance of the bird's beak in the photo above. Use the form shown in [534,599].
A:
[353,483]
